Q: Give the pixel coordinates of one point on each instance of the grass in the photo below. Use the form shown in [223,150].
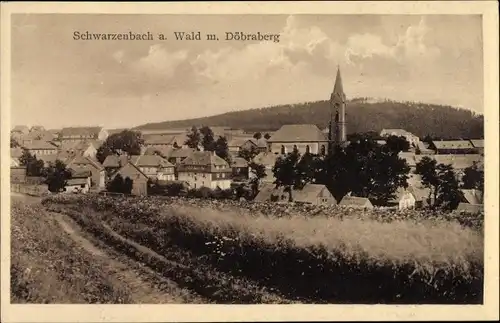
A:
[52,268]
[322,259]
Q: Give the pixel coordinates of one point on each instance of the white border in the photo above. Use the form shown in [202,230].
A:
[199,313]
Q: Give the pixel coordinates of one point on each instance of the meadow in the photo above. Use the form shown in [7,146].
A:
[327,258]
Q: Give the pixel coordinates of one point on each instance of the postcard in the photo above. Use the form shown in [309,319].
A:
[249,161]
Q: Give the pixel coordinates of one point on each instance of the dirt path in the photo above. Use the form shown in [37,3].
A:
[146,289]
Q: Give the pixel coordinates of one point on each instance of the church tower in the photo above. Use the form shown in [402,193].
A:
[337,131]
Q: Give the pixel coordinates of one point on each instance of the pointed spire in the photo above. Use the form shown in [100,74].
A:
[338,89]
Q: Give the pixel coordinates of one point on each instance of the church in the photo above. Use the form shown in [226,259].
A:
[308,138]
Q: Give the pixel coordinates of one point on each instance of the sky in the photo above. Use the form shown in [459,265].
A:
[58,81]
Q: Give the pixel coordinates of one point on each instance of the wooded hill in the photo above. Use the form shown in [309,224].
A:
[363,115]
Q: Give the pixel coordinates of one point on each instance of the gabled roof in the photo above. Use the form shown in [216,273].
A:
[452,144]
[21,128]
[181,152]
[79,172]
[472,196]
[80,131]
[309,193]
[150,161]
[298,133]
[478,143]
[115,161]
[158,139]
[165,152]
[131,166]
[76,181]
[239,162]
[238,142]
[354,201]
[261,143]
[266,191]
[39,145]
[394,132]
[81,160]
[204,158]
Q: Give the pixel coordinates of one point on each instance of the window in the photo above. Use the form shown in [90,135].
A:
[323,150]
[82,186]
[308,149]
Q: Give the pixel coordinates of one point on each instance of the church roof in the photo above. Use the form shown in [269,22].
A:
[338,88]
[298,133]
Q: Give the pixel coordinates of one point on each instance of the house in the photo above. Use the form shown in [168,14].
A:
[177,156]
[97,171]
[139,179]
[112,163]
[268,192]
[356,202]
[79,182]
[412,139]
[240,168]
[41,148]
[205,169]
[36,135]
[471,196]
[81,148]
[267,159]
[304,137]
[154,167]
[469,208]
[443,147]
[158,141]
[316,194]
[19,130]
[478,145]
[18,174]
[51,159]
[77,134]
[237,144]
[403,199]
[37,128]
[261,144]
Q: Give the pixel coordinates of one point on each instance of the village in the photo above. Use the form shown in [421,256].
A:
[165,157]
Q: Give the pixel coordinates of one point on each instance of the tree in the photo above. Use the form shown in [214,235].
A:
[13,143]
[473,178]
[285,172]
[57,176]
[207,141]
[193,138]
[267,136]
[258,172]
[248,153]
[257,135]
[127,141]
[397,144]
[116,185]
[221,149]
[127,185]
[448,194]
[426,168]
[306,170]
[34,167]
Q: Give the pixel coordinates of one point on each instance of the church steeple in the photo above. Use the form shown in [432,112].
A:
[337,105]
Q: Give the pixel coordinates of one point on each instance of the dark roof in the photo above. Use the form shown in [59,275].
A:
[239,162]
[478,143]
[298,133]
[452,144]
[150,161]
[354,201]
[39,145]
[77,181]
[309,193]
[181,152]
[115,161]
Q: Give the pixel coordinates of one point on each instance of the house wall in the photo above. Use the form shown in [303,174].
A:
[325,198]
[197,180]
[139,187]
[40,152]
[103,134]
[78,188]
[90,152]
[407,201]
[314,147]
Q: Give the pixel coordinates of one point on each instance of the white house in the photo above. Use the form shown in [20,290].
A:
[205,169]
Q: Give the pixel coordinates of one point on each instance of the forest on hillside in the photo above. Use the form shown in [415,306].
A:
[363,115]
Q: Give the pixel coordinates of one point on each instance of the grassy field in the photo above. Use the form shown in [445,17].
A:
[321,259]
[49,266]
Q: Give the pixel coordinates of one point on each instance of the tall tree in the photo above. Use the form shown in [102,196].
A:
[34,166]
[426,168]
[57,176]
[248,153]
[397,144]
[285,172]
[258,172]
[257,135]
[127,141]
[267,136]
[221,149]
[193,138]
[448,194]
[473,178]
[207,140]
[306,170]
